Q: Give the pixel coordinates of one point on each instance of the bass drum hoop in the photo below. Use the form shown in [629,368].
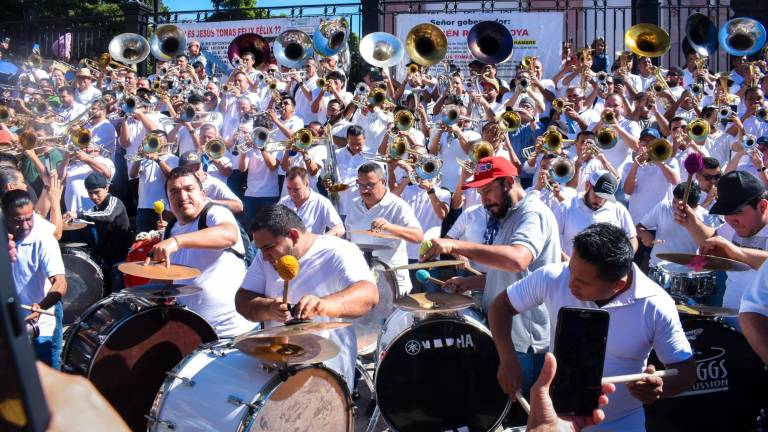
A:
[421,319]
[377,264]
[82,253]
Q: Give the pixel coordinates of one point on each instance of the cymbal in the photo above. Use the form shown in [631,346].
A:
[711,311]
[710,262]
[74,225]
[433,302]
[367,247]
[297,349]
[429,265]
[375,234]
[158,271]
[294,329]
[155,291]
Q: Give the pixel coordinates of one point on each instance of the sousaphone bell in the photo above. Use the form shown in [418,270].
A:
[381,49]
[129,48]
[331,37]
[167,42]
[293,48]
[426,44]
[490,42]
[701,34]
[647,40]
[251,43]
[742,36]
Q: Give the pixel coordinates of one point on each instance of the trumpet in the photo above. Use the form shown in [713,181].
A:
[724,113]
[284,76]
[553,141]
[413,68]
[215,149]
[562,170]
[81,137]
[153,143]
[404,120]
[398,148]
[749,143]
[451,115]
[378,97]
[760,113]
[660,150]
[481,149]
[606,138]
[608,117]
[560,104]
[698,130]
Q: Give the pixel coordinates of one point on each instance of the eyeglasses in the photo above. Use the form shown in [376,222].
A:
[710,177]
[366,186]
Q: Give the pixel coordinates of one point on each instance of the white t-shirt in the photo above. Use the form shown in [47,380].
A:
[262,181]
[152,180]
[574,215]
[642,318]
[103,134]
[316,212]
[395,211]
[216,189]
[330,265]
[304,105]
[38,258]
[348,164]
[71,113]
[470,226]
[88,97]
[322,115]
[75,193]
[219,272]
[137,131]
[755,298]
[676,238]
[738,282]
[621,152]
[421,204]
[375,126]
[651,187]
[213,170]
[450,150]
[718,144]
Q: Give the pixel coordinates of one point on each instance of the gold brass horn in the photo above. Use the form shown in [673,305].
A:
[698,130]
[39,108]
[413,68]
[28,140]
[659,150]
[426,44]
[510,121]
[398,148]
[215,149]
[560,104]
[490,42]
[647,40]
[553,140]
[81,137]
[606,138]
[480,150]
[167,42]
[303,138]
[404,120]
[129,48]
[608,117]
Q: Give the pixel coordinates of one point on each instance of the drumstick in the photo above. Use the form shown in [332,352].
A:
[44,312]
[471,270]
[637,377]
[423,276]
[523,403]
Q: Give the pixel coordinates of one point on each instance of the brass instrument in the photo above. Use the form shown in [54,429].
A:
[480,150]
[742,36]
[490,42]
[529,63]
[285,76]
[413,68]
[303,139]
[701,34]
[660,150]
[215,149]
[560,104]
[647,40]
[657,87]
[606,138]
[251,43]
[761,114]
[404,120]
[167,42]
[29,141]
[724,112]
[331,37]
[397,149]
[81,137]
[292,49]
[378,97]
[562,170]
[553,141]
[624,57]
[698,130]
[260,137]
[697,90]
[451,115]
[35,60]
[153,143]
[128,48]
[608,117]
[381,49]
[428,166]
[748,143]
[509,121]
[426,44]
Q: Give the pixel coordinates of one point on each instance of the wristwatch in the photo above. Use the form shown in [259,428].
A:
[431,191]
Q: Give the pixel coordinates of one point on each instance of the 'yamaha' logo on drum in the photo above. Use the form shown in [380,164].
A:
[414,347]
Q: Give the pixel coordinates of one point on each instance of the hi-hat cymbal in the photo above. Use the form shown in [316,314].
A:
[429,265]
[75,224]
[297,349]
[158,271]
[294,330]
[375,234]
[155,291]
[433,302]
[711,311]
[367,247]
[708,262]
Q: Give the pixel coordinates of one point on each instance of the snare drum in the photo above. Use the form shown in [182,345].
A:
[219,388]
[438,372]
[368,327]
[126,345]
[730,383]
[139,251]
[681,281]
[85,280]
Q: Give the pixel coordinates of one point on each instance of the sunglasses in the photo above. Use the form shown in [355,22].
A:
[710,177]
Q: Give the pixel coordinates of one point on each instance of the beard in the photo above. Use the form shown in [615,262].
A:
[500,210]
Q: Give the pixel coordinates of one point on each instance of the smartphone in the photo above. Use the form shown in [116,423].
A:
[22,404]
[580,340]
[618,81]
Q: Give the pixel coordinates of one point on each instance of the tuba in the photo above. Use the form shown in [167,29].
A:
[490,42]
[562,170]
[660,150]
[647,40]
[701,34]
[742,36]
[606,138]
[381,49]
[292,49]
[128,48]
[331,37]
[215,149]
[251,43]
[167,42]
[698,130]
[426,44]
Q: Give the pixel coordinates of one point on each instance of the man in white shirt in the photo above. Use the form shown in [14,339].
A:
[596,204]
[151,172]
[601,275]
[260,168]
[707,179]
[73,170]
[103,133]
[378,210]
[348,159]
[303,90]
[213,246]
[70,108]
[333,90]
[333,281]
[316,211]
[753,313]
[86,93]
[38,273]
[215,190]
[627,132]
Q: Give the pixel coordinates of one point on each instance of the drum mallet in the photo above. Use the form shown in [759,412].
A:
[423,276]
[637,377]
[159,207]
[44,312]
[287,267]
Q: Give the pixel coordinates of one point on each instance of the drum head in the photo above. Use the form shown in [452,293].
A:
[441,375]
[368,327]
[132,362]
[730,384]
[85,284]
[314,399]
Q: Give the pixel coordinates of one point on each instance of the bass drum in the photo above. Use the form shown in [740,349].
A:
[219,388]
[125,345]
[85,280]
[730,384]
[438,372]
[368,327]
[139,251]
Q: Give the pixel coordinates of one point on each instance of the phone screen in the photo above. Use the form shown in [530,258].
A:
[581,337]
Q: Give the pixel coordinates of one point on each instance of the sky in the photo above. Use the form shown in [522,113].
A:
[182,5]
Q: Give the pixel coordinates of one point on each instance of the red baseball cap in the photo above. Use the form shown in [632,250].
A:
[5,137]
[489,169]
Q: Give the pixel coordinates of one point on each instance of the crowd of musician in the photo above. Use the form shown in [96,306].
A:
[518,175]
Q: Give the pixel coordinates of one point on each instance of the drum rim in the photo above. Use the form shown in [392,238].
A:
[87,258]
[394,288]
[660,267]
[431,317]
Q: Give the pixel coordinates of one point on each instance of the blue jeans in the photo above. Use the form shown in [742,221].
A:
[48,348]
[251,205]
[531,365]
[146,220]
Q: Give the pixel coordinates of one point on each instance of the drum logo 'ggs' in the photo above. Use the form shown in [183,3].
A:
[711,373]
[414,347]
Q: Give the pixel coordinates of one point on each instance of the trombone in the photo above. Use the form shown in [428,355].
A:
[215,149]
[509,121]
[606,138]
[660,150]
[479,150]
[153,143]
[404,120]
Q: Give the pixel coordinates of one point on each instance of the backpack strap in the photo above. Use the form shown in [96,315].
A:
[202,224]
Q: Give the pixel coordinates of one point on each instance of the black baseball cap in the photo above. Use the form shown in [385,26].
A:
[734,190]
[95,181]
[189,158]
[604,184]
